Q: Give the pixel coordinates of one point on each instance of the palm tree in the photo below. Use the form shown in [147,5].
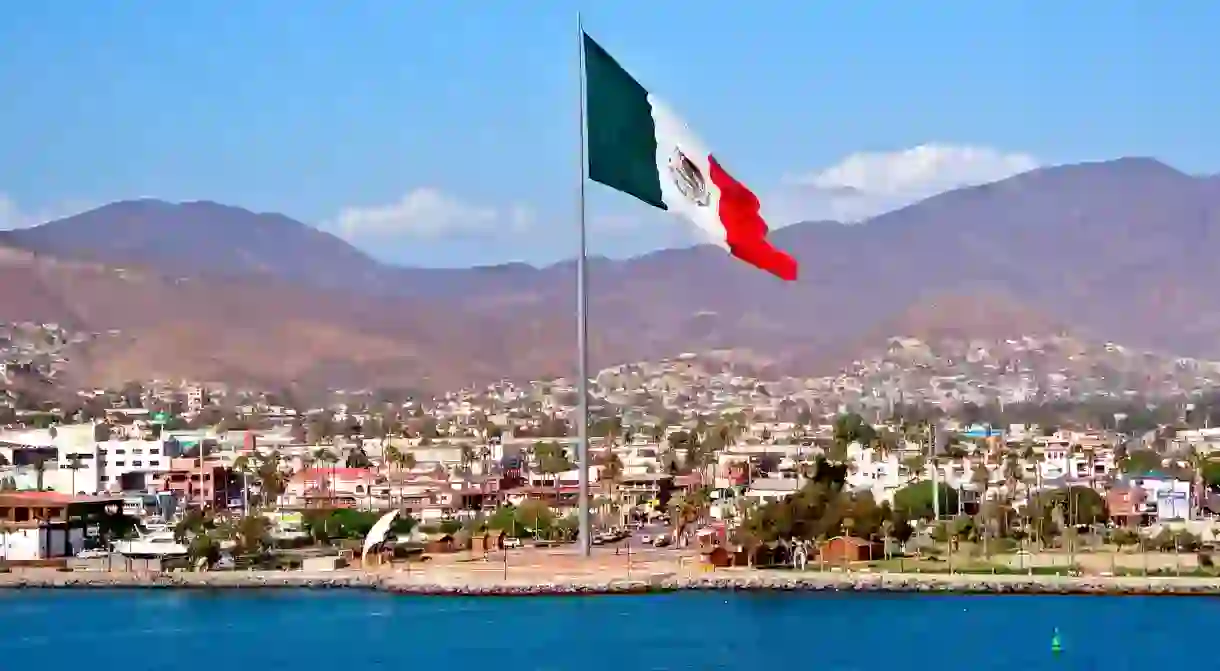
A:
[848,429]
[1027,449]
[612,472]
[40,470]
[888,442]
[980,477]
[269,477]
[700,429]
[1013,474]
[1197,462]
[701,455]
[391,456]
[324,456]
[484,455]
[688,509]
[614,430]
[242,465]
[74,464]
[1038,459]
[549,459]
[887,530]
[406,462]
[465,458]
[307,461]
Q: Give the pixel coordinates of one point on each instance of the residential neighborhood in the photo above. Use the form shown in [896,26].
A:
[691,448]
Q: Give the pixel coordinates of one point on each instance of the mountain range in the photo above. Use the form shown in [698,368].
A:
[1119,250]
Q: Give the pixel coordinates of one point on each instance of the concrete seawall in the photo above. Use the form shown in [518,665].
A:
[455,585]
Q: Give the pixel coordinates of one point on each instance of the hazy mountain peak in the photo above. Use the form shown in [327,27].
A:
[1114,249]
[200,238]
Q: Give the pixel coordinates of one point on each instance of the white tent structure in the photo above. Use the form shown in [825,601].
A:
[379,532]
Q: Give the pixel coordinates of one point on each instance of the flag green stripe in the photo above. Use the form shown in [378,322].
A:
[622,143]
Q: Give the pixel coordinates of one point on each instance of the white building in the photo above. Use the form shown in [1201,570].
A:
[770,490]
[26,544]
[883,475]
[83,465]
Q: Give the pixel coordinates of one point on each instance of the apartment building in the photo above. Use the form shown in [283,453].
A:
[206,484]
[331,487]
[73,462]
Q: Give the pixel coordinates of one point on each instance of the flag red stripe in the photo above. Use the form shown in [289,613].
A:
[744,228]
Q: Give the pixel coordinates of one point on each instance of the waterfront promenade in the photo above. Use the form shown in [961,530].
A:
[461,580]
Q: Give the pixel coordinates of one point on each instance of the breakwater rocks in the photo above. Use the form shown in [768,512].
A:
[733,580]
[960,584]
[206,580]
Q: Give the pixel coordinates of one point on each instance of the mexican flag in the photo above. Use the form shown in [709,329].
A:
[638,146]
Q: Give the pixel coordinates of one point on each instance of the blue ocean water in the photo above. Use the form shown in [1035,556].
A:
[304,631]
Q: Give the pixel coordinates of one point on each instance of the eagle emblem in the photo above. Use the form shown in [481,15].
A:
[686,176]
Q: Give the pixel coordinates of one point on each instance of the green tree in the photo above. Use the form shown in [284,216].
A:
[319,429]
[688,509]
[346,523]
[357,458]
[821,510]
[195,530]
[1124,537]
[253,534]
[535,516]
[203,550]
[1075,505]
[567,528]
[271,480]
[916,501]
[916,464]
[192,523]
[1140,461]
[553,461]
[850,428]
[1210,473]
[505,519]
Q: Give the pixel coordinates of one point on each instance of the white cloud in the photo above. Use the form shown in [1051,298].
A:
[616,223]
[12,216]
[521,218]
[866,184]
[427,213]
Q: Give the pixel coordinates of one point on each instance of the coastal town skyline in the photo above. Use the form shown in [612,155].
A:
[298,298]
[381,128]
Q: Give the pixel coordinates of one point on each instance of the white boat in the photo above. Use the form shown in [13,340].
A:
[160,543]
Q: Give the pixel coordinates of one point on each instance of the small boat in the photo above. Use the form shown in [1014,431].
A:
[159,544]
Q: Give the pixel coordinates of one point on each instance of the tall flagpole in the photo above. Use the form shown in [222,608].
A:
[582,323]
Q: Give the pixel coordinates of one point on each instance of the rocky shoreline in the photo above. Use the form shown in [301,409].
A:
[727,581]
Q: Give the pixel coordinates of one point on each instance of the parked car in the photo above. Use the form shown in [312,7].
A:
[93,553]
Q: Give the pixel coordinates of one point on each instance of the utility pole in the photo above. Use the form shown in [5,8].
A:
[933,442]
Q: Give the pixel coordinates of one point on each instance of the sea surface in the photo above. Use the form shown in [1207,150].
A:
[307,631]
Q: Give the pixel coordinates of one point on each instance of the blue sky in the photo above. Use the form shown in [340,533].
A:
[443,132]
